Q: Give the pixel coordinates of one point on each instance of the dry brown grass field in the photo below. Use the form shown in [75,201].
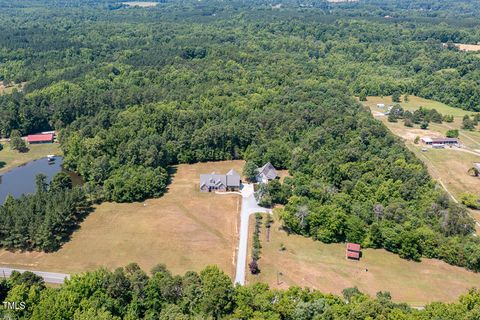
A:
[308,263]
[468,47]
[185,229]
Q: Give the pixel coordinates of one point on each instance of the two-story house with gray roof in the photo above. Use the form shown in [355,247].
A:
[220,182]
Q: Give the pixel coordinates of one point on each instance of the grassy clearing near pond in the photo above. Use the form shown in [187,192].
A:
[11,158]
[309,263]
[185,229]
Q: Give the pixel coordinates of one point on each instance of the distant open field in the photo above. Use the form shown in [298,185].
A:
[309,263]
[468,47]
[141,4]
[448,166]
[451,166]
[185,229]
[11,158]
[415,103]
[8,89]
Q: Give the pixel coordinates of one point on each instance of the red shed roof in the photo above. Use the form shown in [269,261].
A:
[353,254]
[40,137]
[353,247]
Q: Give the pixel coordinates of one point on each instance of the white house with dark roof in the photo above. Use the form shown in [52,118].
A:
[266,173]
[219,182]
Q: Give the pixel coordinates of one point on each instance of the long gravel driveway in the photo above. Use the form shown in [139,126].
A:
[249,206]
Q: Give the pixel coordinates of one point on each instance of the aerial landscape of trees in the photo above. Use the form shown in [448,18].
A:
[134,91]
[202,89]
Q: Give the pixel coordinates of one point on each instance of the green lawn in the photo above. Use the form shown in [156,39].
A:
[415,103]
[11,158]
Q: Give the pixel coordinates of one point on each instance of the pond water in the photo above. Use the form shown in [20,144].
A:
[21,180]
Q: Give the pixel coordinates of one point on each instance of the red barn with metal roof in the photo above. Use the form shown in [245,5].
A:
[40,138]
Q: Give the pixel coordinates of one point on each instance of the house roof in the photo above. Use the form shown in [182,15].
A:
[213,180]
[232,173]
[268,171]
[353,247]
[233,178]
[40,137]
[427,139]
[441,140]
[353,254]
[230,179]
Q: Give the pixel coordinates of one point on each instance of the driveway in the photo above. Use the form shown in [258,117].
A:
[249,206]
[50,277]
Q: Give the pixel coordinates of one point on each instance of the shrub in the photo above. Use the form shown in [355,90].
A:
[470,200]
[453,133]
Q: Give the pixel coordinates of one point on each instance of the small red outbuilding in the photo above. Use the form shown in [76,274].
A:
[353,255]
[353,251]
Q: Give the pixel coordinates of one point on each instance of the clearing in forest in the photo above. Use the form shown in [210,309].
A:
[141,4]
[414,103]
[6,89]
[467,47]
[185,229]
[308,263]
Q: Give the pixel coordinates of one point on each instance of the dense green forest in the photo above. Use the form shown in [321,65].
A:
[87,57]
[44,220]
[129,293]
[133,91]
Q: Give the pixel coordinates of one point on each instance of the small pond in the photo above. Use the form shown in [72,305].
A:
[21,180]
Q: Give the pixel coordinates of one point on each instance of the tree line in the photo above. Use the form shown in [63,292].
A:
[43,221]
[130,293]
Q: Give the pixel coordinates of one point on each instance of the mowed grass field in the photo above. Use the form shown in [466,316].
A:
[185,229]
[415,103]
[308,263]
[11,158]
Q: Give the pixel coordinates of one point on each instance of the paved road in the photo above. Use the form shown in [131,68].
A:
[50,277]
[249,206]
